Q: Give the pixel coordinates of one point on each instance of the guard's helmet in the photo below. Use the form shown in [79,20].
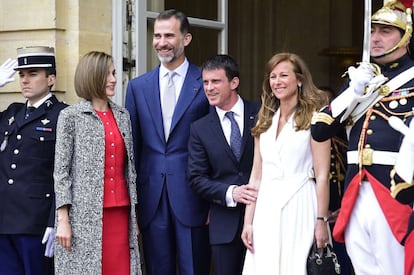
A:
[396,13]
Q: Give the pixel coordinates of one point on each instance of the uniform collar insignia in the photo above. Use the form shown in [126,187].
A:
[394,65]
[11,120]
[45,121]
[48,102]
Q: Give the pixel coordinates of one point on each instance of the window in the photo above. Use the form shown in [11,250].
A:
[133,22]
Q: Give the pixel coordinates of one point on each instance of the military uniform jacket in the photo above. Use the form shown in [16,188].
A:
[372,150]
[373,128]
[27,148]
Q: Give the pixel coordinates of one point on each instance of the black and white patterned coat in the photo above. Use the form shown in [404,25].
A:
[79,182]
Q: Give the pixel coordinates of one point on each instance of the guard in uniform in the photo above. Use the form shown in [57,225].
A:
[27,145]
[372,222]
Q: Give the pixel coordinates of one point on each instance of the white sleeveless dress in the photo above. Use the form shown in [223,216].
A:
[285,215]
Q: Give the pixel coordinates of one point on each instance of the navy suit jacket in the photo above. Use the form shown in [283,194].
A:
[212,168]
[158,161]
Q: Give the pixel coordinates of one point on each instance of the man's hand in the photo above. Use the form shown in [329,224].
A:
[245,194]
[360,77]
[49,240]
[7,71]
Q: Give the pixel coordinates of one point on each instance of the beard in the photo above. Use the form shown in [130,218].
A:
[166,59]
[173,56]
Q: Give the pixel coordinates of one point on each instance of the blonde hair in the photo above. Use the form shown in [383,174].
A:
[310,98]
[91,75]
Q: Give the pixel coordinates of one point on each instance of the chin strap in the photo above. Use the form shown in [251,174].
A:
[406,36]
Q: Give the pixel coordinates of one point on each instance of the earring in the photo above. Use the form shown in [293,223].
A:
[300,87]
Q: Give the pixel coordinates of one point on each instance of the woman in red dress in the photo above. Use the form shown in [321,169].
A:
[95,178]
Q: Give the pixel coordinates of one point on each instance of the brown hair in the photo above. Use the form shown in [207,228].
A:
[310,99]
[91,75]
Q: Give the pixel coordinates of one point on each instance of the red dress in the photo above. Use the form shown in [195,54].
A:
[115,233]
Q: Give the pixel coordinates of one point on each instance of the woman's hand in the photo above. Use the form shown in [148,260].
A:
[247,237]
[64,234]
[321,234]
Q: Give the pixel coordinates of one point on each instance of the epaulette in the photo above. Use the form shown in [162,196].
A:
[322,117]
[401,191]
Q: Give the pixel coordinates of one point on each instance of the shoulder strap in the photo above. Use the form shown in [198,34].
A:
[381,92]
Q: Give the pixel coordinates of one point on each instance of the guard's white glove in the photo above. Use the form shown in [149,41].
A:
[49,240]
[360,77]
[360,94]
[7,71]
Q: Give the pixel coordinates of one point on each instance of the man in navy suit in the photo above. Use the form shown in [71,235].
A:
[27,148]
[172,218]
[216,172]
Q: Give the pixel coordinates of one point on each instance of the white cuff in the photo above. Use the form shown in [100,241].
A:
[347,100]
[229,196]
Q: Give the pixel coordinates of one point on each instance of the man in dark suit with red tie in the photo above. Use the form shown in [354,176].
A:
[220,161]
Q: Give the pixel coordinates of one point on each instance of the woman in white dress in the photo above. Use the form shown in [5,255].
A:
[291,170]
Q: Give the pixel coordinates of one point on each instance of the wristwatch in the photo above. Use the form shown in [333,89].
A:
[324,218]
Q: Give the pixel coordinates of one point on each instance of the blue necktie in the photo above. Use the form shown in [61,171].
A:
[29,110]
[235,137]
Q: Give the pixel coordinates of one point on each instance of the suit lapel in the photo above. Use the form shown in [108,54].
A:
[219,134]
[191,88]
[20,120]
[151,93]
[286,133]
[249,120]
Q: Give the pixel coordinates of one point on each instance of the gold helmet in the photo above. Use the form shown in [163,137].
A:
[395,13]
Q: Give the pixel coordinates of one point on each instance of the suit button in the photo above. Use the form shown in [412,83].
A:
[13,166]
[240,174]
[16,151]
[19,137]
[10,181]
[47,195]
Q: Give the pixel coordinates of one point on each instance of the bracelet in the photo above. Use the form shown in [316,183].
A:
[325,219]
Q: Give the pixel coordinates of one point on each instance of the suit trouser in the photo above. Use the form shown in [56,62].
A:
[228,259]
[168,244]
[369,241]
[21,254]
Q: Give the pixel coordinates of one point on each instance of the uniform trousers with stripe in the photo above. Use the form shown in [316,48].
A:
[372,247]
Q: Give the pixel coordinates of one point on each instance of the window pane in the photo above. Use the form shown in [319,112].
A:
[201,9]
